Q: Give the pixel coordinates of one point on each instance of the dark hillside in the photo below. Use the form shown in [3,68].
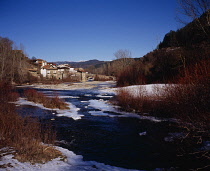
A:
[195,33]
[179,50]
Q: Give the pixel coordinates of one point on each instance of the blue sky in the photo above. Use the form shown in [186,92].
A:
[74,30]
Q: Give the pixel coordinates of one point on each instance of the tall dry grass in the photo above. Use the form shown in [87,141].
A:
[37,97]
[190,99]
[25,135]
[102,78]
[135,100]
[187,100]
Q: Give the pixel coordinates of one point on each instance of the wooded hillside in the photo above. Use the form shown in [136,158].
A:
[179,50]
[13,62]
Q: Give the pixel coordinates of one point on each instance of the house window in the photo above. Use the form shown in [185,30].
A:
[48,72]
[54,72]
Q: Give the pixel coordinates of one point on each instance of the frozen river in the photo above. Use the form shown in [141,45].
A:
[99,132]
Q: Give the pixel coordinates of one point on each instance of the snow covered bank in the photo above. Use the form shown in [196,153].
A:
[103,108]
[71,113]
[73,163]
[147,90]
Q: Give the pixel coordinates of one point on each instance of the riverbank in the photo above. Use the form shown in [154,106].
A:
[66,86]
[72,161]
[94,136]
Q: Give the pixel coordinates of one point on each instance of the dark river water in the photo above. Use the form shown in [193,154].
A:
[126,142]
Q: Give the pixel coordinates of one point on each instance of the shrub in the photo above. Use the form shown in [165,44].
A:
[24,134]
[187,100]
[102,78]
[131,75]
[136,100]
[190,99]
[7,93]
[37,97]
[33,95]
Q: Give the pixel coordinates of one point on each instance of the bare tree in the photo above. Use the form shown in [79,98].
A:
[123,57]
[193,9]
[13,62]
[5,55]
[122,54]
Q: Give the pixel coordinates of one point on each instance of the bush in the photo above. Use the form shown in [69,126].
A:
[132,75]
[130,102]
[7,93]
[37,97]
[190,98]
[102,78]
[187,100]
[24,134]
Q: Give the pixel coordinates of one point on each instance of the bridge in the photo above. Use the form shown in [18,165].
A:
[83,76]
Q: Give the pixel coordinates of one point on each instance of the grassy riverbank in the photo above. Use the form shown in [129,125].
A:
[25,136]
[37,97]
[187,100]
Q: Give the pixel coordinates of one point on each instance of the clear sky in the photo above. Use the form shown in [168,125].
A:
[74,30]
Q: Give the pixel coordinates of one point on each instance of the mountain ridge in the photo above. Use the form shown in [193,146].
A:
[81,64]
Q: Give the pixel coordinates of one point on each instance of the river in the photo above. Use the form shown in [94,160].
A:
[106,135]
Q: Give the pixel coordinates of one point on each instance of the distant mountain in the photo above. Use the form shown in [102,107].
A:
[81,64]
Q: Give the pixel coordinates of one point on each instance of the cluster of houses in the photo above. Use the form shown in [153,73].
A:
[43,69]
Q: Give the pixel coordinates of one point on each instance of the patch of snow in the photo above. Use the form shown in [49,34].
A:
[66,97]
[101,105]
[173,136]
[106,107]
[83,101]
[71,113]
[63,97]
[206,146]
[146,90]
[98,113]
[104,95]
[88,95]
[23,101]
[74,163]
[143,133]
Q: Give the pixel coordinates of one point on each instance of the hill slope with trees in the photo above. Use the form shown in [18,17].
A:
[13,63]
[179,50]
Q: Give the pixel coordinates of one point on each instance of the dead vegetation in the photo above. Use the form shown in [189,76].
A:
[188,101]
[37,97]
[25,135]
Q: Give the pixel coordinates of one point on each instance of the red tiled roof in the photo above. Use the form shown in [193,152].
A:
[49,67]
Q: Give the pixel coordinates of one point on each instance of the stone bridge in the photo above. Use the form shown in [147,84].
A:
[97,77]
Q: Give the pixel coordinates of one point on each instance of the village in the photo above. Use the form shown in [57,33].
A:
[44,70]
